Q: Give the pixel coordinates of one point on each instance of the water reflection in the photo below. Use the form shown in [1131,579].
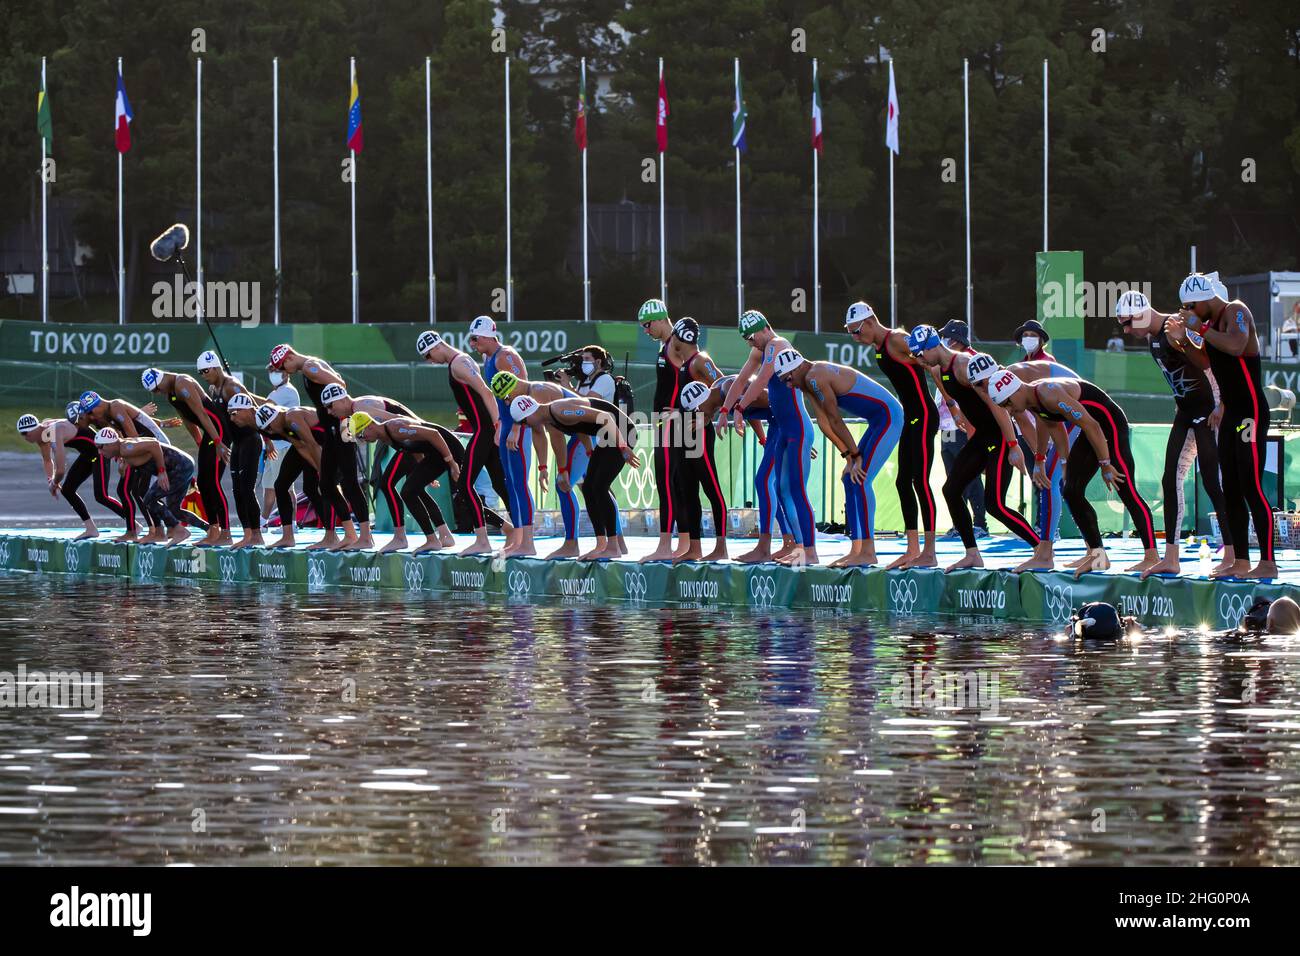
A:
[257,725]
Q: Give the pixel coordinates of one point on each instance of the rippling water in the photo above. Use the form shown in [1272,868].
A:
[264,726]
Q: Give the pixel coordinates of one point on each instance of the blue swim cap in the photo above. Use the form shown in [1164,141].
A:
[89,400]
[921,338]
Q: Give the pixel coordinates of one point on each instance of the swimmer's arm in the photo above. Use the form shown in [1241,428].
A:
[322,374]
[1060,439]
[125,423]
[704,370]
[559,447]
[513,363]
[831,422]
[156,452]
[191,396]
[759,432]
[46,464]
[60,459]
[539,450]
[954,409]
[765,372]
[1003,419]
[1237,338]
[1096,437]
[737,388]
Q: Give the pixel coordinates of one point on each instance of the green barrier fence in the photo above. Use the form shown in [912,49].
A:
[975,594]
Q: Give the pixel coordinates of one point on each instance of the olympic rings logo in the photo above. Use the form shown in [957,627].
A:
[70,558]
[1059,602]
[146,562]
[227,564]
[638,485]
[413,572]
[902,595]
[519,582]
[635,585]
[762,589]
[1232,608]
[315,573]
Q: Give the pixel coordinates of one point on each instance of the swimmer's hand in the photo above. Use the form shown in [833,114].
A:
[171,422]
[1216,417]
[630,456]
[164,482]
[1040,476]
[1017,459]
[151,409]
[1110,476]
[854,471]
[453,472]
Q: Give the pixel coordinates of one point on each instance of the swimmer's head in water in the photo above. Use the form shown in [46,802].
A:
[1097,621]
[1284,616]
[503,385]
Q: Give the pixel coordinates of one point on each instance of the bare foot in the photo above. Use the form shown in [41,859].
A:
[284,541]
[88,533]
[692,552]
[904,560]
[154,536]
[446,539]
[398,543]
[480,546]
[756,556]
[1168,565]
[927,559]
[224,540]
[863,559]
[128,536]
[1238,569]
[1149,558]
[719,552]
[659,554]
[178,534]
[1265,569]
[972,559]
[1095,560]
[601,554]
[1035,563]
[569,549]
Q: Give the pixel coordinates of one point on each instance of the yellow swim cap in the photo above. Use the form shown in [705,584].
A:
[358,423]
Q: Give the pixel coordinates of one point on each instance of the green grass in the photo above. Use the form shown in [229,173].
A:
[10,440]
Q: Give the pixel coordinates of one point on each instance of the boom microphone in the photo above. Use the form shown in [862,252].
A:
[174,239]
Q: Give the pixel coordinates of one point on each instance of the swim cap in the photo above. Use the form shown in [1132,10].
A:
[1003,386]
[693,395]
[522,407]
[858,312]
[688,330]
[332,393]
[787,360]
[90,401]
[239,400]
[981,367]
[1199,288]
[357,423]
[1098,621]
[150,378]
[751,320]
[485,327]
[27,423]
[651,310]
[266,414]
[73,411]
[1131,303]
[427,342]
[278,355]
[921,338]
[502,384]
[208,360]
[107,436]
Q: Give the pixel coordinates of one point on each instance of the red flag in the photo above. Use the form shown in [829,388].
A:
[580,123]
[661,128]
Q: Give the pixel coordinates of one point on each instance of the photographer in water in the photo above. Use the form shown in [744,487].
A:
[589,372]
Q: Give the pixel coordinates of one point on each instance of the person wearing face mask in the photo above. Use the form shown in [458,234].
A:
[1032,337]
[284,394]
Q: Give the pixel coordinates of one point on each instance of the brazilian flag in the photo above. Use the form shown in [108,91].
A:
[44,122]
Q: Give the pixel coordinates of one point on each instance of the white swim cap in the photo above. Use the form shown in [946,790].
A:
[485,327]
[332,393]
[858,312]
[238,401]
[28,423]
[1200,288]
[266,414]
[150,378]
[208,360]
[693,395]
[427,342]
[786,361]
[1003,386]
[107,436]
[522,407]
[1130,304]
[981,367]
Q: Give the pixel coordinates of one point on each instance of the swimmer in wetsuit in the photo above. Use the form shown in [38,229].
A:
[54,437]
[246,446]
[696,462]
[160,478]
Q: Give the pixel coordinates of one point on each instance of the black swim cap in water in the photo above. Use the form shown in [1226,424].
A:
[1097,621]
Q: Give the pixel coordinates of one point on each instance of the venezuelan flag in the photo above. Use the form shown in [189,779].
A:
[354,118]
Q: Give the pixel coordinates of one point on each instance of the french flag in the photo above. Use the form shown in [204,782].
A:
[124,117]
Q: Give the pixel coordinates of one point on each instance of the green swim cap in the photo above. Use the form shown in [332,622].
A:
[503,383]
[651,310]
[751,321]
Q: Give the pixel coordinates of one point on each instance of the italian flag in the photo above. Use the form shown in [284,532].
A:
[816,113]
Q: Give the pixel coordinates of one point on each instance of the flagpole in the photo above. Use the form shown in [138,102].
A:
[663,272]
[586,275]
[121,245]
[970,289]
[275,165]
[740,287]
[352,79]
[893,286]
[1044,154]
[45,248]
[510,282]
[428,179]
[198,181]
[817,274]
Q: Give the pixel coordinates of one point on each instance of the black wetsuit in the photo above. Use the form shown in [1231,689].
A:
[338,460]
[325,497]
[916,443]
[89,463]
[163,508]
[696,468]
[245,455]
[665,438]
[1082,463]
[1190,438]
[480,453]
[416,463]
[1243,438]
[604,466]
[209,467]
[987,452]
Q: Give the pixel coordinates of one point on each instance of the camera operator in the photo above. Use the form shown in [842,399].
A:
[589,373]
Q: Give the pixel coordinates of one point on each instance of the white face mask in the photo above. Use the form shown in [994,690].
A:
[1030,344]
[588,368]
[277,378]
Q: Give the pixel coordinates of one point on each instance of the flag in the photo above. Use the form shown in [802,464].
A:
[816,114]
[124,117]
[354,118]
[891,125]
[580,123]
[44,122]
[738,115]
[661,127]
